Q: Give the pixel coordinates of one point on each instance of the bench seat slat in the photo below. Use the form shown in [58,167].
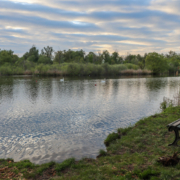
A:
[175,123]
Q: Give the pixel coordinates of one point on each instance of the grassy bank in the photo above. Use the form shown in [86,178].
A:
[72,69]
[132,153]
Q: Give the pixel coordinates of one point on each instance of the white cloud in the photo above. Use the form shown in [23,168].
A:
[127,26]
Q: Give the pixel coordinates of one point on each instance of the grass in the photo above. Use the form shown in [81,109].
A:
[110,138]
[132,156]
[72,69]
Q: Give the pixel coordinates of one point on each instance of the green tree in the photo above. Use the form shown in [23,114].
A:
[92,58]
[59,57]
[174,63]
[32,55]
[106,56]
[7,56]
[44,60]
[115,58]
[156,62]
[141,60]
[130,59]
[47,51]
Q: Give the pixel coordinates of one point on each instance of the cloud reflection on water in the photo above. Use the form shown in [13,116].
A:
[42,119]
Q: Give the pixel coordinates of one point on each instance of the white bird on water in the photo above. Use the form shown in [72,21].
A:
[103,81]
[62,80]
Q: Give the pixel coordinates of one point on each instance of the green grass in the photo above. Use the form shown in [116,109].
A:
[66,164]
[133,156]
[111,138]
[71,69]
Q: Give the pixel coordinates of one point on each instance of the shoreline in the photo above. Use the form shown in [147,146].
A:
[132,153]
[74,69]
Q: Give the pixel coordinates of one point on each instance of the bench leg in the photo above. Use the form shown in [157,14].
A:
[176,138]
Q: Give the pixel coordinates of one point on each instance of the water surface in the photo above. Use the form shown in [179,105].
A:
[43,119]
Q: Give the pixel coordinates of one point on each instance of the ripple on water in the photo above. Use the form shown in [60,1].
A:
[48,120]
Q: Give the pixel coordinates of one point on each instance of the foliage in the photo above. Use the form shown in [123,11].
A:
[32,55]
[77,62]
[156,62]
[44,60]
[47,52]
[132,66]
[7,57]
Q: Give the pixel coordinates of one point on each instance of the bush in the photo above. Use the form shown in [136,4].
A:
[73,69]
[44,60]
[6,70]
[131,66]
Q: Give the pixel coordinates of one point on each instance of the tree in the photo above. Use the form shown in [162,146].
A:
[130,58]
[174,63]
[115,58]
[156,62]
[59,57]
[171,54]
[47,51]
[7,56]
[106,56]
[91,57]
[32,55]
[141,60]
[44,60]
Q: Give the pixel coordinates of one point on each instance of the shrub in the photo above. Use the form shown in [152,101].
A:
[6,70]
[131,66]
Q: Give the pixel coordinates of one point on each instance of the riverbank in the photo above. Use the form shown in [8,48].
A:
[133,154]
[73,69]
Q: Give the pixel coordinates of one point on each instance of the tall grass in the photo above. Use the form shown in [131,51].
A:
[73,69]
[135,72]
[132,66]
[171,102]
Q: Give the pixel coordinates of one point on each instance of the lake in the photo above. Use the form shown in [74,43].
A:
[43,119]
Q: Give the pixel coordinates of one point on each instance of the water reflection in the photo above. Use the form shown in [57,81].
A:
[156,83]
[32,89]
[6,89]
[43,119]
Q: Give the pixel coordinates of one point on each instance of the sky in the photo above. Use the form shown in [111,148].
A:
[126,26]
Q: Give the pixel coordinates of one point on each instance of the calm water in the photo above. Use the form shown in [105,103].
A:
[43,119]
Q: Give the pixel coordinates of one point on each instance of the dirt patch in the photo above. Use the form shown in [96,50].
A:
[169,160]
[48,173]
[9,173]
[130,167]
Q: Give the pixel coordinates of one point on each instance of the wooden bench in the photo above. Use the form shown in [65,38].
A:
[175,126]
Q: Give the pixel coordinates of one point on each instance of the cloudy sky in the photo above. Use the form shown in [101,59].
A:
[126,26]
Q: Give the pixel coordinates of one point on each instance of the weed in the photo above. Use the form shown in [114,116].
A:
[65,164]
[102,152]
[24,164]
[110,138]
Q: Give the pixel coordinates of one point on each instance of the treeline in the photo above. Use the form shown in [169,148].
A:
[49,62]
